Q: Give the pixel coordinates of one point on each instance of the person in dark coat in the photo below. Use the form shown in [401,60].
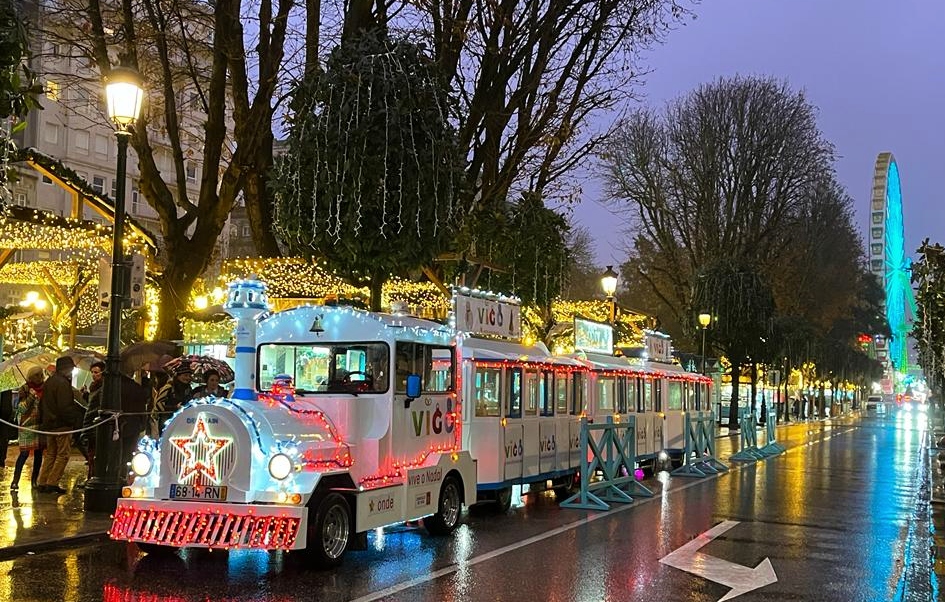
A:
[93,403]
[58,413]
[135,400]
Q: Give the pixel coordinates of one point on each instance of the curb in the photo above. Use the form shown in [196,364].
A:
[47,545]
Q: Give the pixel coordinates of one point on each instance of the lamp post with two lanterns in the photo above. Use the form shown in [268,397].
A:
[124,95]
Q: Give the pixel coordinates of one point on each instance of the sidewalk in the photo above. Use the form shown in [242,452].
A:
[31,521]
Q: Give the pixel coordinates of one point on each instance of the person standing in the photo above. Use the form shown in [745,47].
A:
[28,410]
[135,400]
[93,403]
[59,414]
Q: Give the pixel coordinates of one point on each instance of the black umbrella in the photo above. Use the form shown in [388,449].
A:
[135,356]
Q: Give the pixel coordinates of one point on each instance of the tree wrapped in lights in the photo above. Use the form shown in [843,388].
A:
[928,275]
[373,172]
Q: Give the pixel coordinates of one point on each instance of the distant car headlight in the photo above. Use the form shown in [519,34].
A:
[280,467]
[141,464]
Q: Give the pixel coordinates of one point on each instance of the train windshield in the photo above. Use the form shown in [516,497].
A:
[338,368]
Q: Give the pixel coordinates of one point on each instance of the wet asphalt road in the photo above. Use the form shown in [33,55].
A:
[840,517]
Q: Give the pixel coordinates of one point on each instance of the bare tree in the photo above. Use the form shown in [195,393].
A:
[717,175]
[206,104]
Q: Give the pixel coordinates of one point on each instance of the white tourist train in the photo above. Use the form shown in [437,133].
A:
[343,421]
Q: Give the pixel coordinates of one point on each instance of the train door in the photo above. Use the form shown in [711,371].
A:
[645,417]
[547,427]
[562,420]
[578,410]
[677,408]
[484,392]
[513,444]
[533,394]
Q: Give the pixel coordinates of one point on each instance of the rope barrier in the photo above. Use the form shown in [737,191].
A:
[114,416]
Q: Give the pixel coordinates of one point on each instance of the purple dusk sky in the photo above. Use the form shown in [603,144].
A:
[874,68]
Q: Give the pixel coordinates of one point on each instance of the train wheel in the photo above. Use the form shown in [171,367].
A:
[565,487]
[450,506]
[329,530]
[503,499]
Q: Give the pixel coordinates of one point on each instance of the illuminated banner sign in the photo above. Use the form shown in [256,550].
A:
[593,336]
[478,315]
[659,348]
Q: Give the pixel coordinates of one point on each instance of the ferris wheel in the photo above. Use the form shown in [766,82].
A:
[889,263]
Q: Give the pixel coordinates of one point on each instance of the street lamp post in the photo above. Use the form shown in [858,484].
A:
[704,321]
[124,95]
[608,282]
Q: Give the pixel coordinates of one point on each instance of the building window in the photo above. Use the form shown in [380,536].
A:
[82,141]
[101,144]
[52,90]
[51,133]
[191,171]
[246,231]
[98,184]
[20,198]
[114,188]
[135,208]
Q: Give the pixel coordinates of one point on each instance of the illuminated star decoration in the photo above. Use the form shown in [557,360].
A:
[200,451]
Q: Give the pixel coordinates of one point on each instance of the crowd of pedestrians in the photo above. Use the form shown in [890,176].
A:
[68,416]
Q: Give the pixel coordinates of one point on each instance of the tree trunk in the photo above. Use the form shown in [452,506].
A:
[733,406]
[754,387]
[376,287]
[176,283]
[258,202]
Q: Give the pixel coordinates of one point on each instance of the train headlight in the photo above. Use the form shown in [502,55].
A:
[280,467]
[141,464]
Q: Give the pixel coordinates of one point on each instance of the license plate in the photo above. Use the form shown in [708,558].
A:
[198,492]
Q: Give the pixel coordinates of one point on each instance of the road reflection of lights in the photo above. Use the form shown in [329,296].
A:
[248,564]
[462,551]
[379,539]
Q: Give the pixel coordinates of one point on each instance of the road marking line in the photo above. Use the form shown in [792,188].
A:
[394,589]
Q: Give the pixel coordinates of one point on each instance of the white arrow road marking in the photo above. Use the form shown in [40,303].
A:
[741,579]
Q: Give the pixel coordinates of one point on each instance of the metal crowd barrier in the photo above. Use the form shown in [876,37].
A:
[699,456]
[750,452]
[612,458]
[772,447]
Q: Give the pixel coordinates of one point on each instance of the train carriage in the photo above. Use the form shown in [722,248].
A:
[521,416]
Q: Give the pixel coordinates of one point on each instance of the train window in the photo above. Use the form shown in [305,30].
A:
[533,389]
[577,394]
[647,395]
[605,394]
[674,396]
[657,395]
[437,369]
[339,368]
[561,394]
[690,396]
[546,394]
[622,395]
[515,393]
[638,393]
[487,391]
